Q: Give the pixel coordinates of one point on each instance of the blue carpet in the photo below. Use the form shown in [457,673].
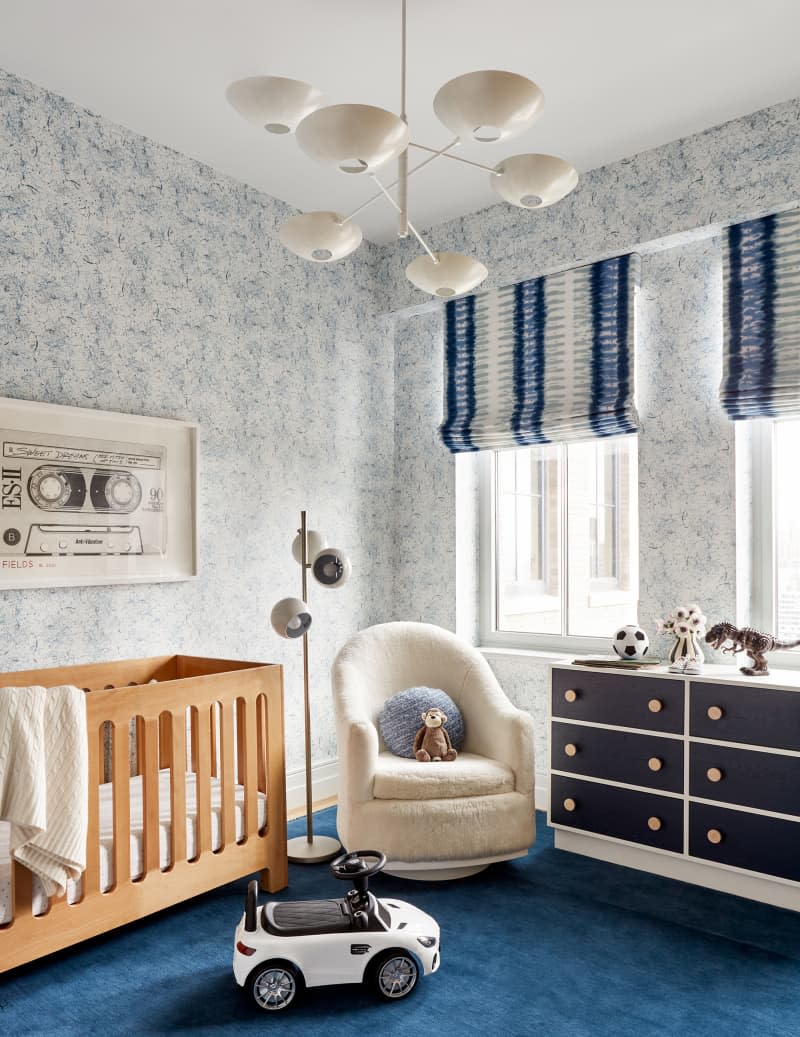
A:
[553,945]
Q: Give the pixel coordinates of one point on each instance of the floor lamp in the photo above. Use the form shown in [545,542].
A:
[291,618]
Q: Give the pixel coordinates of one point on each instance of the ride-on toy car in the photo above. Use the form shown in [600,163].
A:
[313,943]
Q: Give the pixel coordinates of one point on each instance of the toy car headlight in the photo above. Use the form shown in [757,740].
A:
[427,941]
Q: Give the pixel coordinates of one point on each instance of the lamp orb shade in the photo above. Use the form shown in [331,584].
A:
[290,618]
[355,138]
[273,103]
[314,544]
[322,237]
[533,181]
[488,106]
[452,274]
[331,567]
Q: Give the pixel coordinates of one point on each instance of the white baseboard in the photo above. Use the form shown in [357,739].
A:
[324,784]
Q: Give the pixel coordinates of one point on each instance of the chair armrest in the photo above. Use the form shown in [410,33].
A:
[508,737]
[495,726]
[358,760]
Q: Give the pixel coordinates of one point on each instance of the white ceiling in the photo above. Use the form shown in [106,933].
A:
[619,76]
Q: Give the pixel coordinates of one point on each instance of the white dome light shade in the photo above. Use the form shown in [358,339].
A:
[452,275]
[314,544]
[321,237]
[488,106]
[290,618]
[331,567]
[356,138]
[273,103]
[533,181]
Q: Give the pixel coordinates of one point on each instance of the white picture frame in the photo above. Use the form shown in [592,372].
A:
[95,497]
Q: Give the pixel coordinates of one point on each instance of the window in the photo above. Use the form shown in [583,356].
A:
[558,543]
[775,605]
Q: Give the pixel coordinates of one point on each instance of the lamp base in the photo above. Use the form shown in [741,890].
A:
[321,848]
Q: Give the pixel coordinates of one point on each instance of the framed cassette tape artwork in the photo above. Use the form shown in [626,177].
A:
[91,497]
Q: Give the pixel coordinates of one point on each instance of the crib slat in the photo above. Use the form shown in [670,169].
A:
[261,738]
[91,877]
[150,805]
[121,776]
[276,799]
[226,775]
[22,890]
[178,787]
[240,751]
[213,741]
[203,777]
[250,774]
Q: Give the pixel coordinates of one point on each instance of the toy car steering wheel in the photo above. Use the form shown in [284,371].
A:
[354,865]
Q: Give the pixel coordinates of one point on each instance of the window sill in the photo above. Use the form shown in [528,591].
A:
[541,655]
[775,660]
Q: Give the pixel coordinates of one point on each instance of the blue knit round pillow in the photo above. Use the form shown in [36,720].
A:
[401,718]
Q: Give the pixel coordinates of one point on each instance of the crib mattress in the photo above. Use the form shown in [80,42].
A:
[136,840]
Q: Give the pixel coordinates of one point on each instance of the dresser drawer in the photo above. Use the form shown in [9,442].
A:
[748,778]
[749,841]
[622,700]
[637,817]
[634,759]
[751,715]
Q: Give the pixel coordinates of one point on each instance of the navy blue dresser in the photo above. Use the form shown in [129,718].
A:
[696,778]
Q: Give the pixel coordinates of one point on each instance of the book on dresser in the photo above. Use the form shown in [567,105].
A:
[692,777]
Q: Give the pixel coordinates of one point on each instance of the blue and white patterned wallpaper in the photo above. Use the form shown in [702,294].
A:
[136,279]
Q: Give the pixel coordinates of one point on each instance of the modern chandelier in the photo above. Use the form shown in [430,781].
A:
[486,107]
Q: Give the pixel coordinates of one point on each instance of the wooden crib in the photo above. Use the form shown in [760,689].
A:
[225,719]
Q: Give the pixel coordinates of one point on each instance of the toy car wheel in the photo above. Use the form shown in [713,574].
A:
[275,985]
[395,975]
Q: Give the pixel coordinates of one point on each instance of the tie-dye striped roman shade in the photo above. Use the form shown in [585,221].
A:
[761,371]
[545,360]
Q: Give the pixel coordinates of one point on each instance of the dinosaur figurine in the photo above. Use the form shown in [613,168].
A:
[745,639]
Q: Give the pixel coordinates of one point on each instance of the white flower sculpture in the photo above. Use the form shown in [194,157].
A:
[686,623]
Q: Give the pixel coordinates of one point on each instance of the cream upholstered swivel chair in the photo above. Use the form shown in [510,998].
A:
[432,820]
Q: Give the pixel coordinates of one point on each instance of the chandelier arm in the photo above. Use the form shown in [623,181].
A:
[402,180]
[403,66]
[411,226]
[402,161]
[456,158]
[394,183]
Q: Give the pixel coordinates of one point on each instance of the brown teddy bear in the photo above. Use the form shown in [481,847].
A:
[432,742]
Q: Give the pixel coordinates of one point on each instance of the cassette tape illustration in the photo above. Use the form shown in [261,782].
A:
[63,496]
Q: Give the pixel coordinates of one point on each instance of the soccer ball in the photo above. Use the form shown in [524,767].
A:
[631,642]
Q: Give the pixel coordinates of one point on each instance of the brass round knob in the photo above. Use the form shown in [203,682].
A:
[570,749]
[570,695]
[714,835]
[714,712]
[570,804]
[654,824]
[714,774]
[655,705]
[655,764]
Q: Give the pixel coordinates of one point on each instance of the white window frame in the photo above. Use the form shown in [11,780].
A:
[756,440]
[602,585]
[762,608]
[490,636]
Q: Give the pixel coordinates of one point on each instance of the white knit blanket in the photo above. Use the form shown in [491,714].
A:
[44,779]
